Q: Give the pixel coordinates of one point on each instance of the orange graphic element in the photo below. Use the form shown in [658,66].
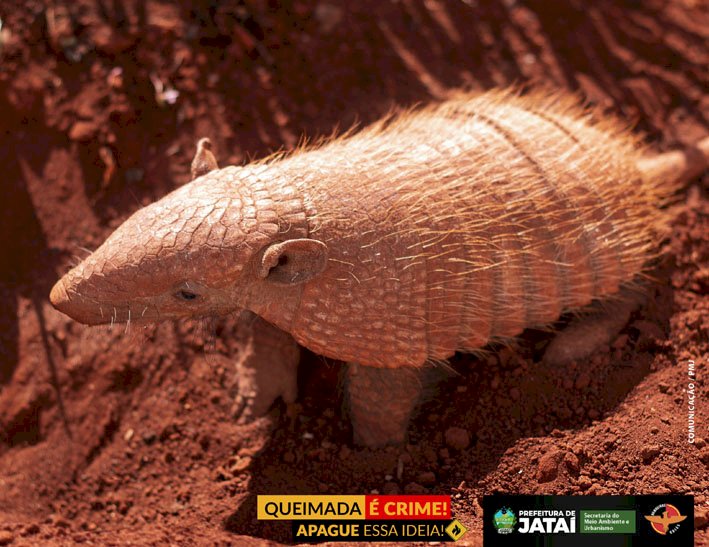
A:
[661,524]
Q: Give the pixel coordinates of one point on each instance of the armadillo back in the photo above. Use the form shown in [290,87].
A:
[464,222]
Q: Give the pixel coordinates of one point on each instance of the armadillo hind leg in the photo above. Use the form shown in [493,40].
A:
[381,401]
[588,333]
[267,367]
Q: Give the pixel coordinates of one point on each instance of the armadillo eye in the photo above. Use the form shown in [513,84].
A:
[185,295]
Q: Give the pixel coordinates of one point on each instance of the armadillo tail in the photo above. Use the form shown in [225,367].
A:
[671,170]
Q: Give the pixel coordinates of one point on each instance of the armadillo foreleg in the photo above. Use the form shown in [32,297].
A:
[381,401]
[266,369]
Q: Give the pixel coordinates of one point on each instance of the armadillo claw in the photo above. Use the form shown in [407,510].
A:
[266,369]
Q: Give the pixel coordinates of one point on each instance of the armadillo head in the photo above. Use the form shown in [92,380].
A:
[210,247]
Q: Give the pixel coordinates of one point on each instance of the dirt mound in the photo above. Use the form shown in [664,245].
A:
[109,437]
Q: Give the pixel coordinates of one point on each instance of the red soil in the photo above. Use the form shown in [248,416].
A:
[110,438]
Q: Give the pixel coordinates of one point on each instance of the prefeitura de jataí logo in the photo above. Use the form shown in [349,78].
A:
[544,521]
[319,518]
[504,520]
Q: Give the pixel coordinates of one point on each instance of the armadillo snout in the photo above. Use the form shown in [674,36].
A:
[72,304]
[58,297]
[76,299]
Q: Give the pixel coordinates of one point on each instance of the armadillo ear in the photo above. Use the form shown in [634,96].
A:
[204,160]
[294,261]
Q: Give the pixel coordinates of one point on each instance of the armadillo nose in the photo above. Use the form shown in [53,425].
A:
[58,297]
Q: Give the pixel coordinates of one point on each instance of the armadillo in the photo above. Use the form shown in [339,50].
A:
[438,229]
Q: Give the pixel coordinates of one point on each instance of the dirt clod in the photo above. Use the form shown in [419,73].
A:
[414,488]
[548,467]
[571,462]
[427,478]
[582,381]
[701,518]
[649,453]
[457,438]
[584,483]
